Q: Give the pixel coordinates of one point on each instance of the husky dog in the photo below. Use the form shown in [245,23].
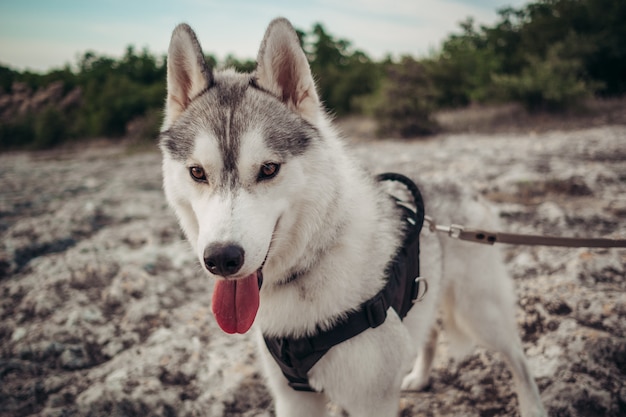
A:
[266,193]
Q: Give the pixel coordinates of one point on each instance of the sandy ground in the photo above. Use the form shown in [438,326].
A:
[105,312]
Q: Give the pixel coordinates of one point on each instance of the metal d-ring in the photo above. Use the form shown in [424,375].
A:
[420,294]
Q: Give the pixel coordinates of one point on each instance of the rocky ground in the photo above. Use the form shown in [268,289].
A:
[104,311]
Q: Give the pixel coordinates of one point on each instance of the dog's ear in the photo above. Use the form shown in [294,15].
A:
[187,72]
[283,70]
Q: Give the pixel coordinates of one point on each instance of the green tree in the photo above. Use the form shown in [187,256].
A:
[245,65]
[116,92]
[591,32]
[342,75]
[462,71]
[552,83]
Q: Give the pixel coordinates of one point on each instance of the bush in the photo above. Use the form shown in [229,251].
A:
[146,127]
[405,102]
[16,134]
[49,129]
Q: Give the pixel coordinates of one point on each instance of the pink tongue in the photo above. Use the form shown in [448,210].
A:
[235,303]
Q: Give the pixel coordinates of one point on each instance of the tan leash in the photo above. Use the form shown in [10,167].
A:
[489,237]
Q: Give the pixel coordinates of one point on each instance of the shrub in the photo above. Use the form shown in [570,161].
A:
[49,128]
[405,102]
[17,133]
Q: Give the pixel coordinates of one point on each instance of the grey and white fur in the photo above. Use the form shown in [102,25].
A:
[320,230]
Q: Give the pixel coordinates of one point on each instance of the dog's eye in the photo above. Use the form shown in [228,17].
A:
[268,171]
[197,173]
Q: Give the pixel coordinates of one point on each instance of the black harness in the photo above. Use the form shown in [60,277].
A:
[296,356]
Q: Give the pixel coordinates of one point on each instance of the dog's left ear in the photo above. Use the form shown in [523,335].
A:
[283,70]
[187,72]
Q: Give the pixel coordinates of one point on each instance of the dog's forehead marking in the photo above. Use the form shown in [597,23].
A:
[206,153]
[254,152]
[178,143]
[234,108]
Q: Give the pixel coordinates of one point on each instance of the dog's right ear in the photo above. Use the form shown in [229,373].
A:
[283,70]
[187,72]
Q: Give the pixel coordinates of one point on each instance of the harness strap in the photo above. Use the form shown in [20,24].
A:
[296,356]
[417,216]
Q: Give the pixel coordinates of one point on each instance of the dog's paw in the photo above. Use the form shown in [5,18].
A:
[414,382]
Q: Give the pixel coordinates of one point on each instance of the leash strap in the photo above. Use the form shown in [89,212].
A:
[296,356]
[490,237]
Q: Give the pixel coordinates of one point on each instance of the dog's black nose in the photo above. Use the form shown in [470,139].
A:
[223,259]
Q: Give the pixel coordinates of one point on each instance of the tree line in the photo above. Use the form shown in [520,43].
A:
[549,55]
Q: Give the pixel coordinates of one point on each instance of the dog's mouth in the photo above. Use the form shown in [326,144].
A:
[236,302]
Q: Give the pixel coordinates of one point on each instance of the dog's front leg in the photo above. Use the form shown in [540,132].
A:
[292,403]
[287,401]
[363,374]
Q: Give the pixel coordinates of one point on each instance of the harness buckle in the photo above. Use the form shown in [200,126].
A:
[376,310]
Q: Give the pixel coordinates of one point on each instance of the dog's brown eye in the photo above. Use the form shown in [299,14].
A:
[268,171]
[197,173]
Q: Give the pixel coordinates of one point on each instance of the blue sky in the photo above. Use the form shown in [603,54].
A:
[44,34]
